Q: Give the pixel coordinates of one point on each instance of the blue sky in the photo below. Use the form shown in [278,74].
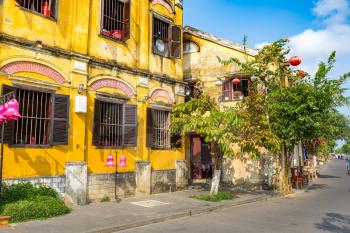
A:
[260,20]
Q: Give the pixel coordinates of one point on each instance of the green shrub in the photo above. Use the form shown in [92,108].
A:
[24,191]
[104,199]
[221,196]
[39,207]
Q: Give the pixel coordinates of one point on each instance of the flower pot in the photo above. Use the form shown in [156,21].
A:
[106,33]
[117,34]
[4,221]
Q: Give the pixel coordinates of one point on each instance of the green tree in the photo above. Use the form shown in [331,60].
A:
[303,110]
[219,129]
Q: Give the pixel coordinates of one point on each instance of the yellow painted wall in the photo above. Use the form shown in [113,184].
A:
[76,32]
[204,65]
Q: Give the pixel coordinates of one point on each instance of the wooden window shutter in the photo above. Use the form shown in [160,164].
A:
[60,120]
[130,125]
[175,141]
[175,42]
[19,2]
[9,126]
[96,127]
[150,128]
[126,18]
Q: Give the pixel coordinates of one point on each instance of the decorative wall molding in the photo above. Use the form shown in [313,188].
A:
[112,83]
[159,92]
[165,3]
[33,67]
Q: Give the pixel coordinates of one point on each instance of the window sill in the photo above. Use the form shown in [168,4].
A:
[37,13]
[163,149]
[123,42]
[30,146]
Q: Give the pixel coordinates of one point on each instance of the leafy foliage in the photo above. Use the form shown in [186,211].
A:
[23,191]
[39,207]
[221,196]
[23,202]
[203,117]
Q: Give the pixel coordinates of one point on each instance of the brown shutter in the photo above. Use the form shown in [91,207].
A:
[19,2]
[150,126]
[60,120]
[130,125]
[175,42]
[10,125]
[126,18]
[96,129]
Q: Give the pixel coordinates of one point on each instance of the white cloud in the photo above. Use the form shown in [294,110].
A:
[332,11]
[316,45]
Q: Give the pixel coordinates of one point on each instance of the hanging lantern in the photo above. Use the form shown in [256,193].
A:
[110,161]
[254,78]
[11,112]
[122,162]
[295,60]
[2,110]
[218,82]
[236,81]
[301,74]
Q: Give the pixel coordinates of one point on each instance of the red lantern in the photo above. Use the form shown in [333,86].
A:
[301,74]
[236,81]
[45,9]
[295,61]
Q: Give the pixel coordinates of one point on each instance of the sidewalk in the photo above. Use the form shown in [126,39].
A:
[112,216]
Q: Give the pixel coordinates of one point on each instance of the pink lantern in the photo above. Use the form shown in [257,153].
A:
[2,110]
[11,112]
[122,162]
[110,161]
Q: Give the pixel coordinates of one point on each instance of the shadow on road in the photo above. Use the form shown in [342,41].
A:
[327,176]
[334,222]
[318,187]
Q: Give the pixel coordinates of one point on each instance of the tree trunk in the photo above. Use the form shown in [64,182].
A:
[217,171]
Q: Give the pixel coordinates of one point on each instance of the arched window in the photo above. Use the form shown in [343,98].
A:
[190,47]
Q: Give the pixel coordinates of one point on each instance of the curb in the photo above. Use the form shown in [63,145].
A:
[188,213]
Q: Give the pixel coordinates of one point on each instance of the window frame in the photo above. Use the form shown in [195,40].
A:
[231,90]
[172,139]
[124,105]
[101,22]
[53,18]
[169,41]
[52,98]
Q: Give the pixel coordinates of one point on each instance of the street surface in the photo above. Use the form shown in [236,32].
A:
[325,207]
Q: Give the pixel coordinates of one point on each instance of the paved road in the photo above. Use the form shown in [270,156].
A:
[325,207]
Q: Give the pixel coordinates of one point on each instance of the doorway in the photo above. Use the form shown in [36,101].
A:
[201,161]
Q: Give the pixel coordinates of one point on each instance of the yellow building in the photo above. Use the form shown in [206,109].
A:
[202,67]
[93,78]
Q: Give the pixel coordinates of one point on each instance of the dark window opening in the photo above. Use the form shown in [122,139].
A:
[158,134]
[111,125]
[116,19]
[47,8]
[115,125]
[166,39]
[44,119]
[231,92]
